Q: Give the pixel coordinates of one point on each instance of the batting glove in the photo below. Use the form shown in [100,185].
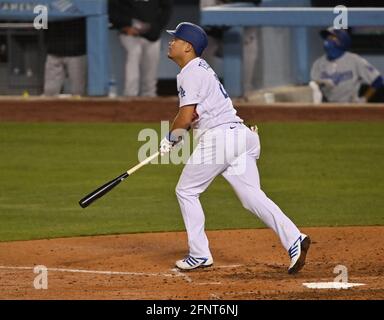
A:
[167,144]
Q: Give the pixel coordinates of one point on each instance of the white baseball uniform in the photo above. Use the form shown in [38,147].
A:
[221,131]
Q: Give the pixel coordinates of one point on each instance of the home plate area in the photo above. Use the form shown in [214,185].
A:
[248,265]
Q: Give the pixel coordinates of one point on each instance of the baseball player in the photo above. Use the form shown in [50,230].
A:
[206,107]
[344,76]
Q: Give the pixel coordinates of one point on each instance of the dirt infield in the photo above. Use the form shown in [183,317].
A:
[249,264]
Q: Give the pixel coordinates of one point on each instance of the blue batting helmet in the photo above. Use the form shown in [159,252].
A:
[341,34]
[193,34]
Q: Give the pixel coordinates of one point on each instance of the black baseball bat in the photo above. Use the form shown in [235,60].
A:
[105,188]
[99,192]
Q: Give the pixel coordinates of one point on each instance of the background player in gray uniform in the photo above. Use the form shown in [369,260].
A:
[341,74]
[66,57]
[206,107]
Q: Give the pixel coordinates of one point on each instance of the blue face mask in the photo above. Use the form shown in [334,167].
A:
[332,50]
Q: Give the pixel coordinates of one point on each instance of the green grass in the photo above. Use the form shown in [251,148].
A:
[320,174]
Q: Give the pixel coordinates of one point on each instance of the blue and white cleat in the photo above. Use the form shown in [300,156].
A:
[298,252]
[190,263]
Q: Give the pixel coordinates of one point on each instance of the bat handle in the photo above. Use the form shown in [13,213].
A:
[143,163]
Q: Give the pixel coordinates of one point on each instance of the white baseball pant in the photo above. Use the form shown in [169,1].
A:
[57,69]
[240,170]
[141,65]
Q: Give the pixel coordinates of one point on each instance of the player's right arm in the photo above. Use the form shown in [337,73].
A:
[183,119]
[181,124]
[189,90]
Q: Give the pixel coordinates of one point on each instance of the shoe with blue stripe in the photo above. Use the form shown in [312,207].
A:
[298,252]
[189,263]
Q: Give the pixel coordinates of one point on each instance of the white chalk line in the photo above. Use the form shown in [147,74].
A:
[181,274]
[229,266]
[175,273]
[92,271]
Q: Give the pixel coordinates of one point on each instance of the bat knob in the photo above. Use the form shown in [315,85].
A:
[83,203]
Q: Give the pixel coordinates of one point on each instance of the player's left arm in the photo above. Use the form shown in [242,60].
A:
[180,125]
[182,121]
[377,84]
[190,95]
[370,75]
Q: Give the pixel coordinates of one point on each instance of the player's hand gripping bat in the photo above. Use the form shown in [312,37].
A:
[101,191]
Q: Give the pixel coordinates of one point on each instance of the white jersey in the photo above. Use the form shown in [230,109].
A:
[343,77]
[198,84]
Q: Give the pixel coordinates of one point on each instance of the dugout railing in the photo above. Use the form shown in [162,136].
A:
[297,15]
